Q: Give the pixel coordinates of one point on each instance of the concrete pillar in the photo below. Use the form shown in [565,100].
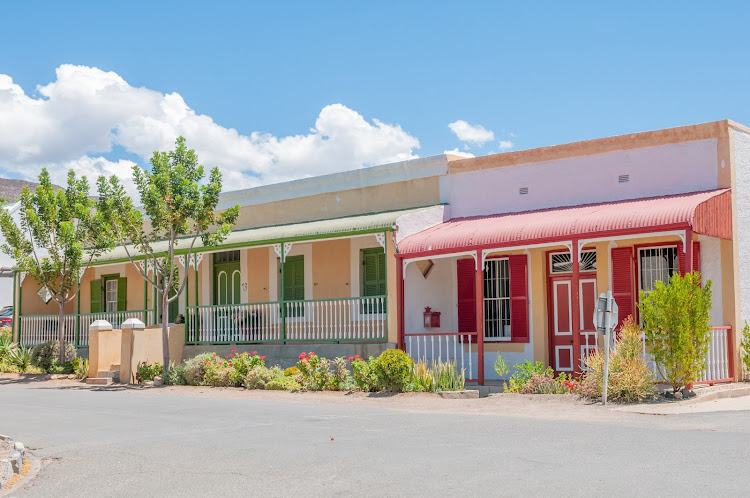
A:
[94,349]
[129,327]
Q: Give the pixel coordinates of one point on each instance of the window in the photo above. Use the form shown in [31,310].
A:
[227,257]
[373,279]
[560,262]
[496,299]
[110,295]
[656,263]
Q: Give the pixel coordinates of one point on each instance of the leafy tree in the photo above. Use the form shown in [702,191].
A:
[678,327]
[745,346]
[59,236]
[177,210]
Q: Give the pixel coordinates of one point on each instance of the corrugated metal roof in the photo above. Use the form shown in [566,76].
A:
[262,236]
[565,222]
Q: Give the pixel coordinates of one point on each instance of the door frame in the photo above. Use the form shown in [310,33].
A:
[551,278]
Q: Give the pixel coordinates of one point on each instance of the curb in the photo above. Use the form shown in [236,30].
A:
[727,393]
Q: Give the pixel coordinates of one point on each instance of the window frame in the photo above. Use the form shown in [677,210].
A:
[362,308]
[112,277]
[486,300]
[638,270]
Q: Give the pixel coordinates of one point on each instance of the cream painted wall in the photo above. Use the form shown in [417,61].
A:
[711,269]
[742,233]
[654,171]
[331,271]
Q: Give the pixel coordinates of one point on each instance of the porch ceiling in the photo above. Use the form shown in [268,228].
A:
[321,229]
[708,213]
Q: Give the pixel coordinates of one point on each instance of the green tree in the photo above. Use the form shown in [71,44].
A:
[59,236]
[677,327]
[177,209]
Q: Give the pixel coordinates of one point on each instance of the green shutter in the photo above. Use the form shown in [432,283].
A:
[294,278]
[96,296]
[373,272]
[122,294]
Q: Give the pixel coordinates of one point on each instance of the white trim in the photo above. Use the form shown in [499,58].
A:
[244,284]
[473,254]
[380,237]
[557,359]
[678,233]
[570,305]
[581,281]
[638,269]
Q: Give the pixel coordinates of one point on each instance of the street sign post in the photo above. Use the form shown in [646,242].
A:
[605,319]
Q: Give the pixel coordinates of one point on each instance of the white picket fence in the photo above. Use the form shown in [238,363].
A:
[42,328]
[445,347]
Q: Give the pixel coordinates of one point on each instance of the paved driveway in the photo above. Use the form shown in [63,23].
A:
[202,442]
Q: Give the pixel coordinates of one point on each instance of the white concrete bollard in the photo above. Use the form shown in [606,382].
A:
[133,324]
[99,325]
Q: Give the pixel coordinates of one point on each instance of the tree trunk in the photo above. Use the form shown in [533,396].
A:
[165,329]
[61,332]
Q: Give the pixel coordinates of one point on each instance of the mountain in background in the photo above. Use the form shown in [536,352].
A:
[10,189]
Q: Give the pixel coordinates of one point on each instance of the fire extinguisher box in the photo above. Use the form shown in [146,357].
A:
[431,318]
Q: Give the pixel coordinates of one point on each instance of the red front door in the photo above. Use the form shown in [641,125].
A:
[564,355]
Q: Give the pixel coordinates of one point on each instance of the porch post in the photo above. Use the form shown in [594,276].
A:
[77,337]
[281,293]
[575,305]
[186,268]
[480,316]
[16,311]
[400,300]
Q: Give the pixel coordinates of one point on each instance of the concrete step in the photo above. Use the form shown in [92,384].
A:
[484,391]
[99,381]
[112,374]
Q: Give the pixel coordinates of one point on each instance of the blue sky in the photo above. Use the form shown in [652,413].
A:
[533,73]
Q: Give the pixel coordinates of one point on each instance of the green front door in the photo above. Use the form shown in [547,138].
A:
[227,283]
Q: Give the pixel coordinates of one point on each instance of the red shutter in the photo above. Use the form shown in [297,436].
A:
[519,298]
[682,261]
[467,309]
[622,282]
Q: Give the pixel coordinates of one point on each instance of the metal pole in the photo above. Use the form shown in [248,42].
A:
[605,376]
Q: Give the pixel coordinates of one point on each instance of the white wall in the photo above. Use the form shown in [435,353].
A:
[742,197]
[666,169]
[438,291]
[711,270]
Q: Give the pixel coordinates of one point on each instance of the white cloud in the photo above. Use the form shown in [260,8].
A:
[460,153]
[471,134]
[87,111]
[505,144]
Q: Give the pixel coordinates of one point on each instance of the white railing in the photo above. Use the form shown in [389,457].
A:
[446,347]
[346,319]
[260,322]
[42,328]
[349,319]
[719,366]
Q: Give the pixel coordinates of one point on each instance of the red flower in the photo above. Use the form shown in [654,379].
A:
[351,358]
[226,357]
[302,356]
[262,357]
[356,356]
[214,354]
[234,351]
[230,363]
[255,352]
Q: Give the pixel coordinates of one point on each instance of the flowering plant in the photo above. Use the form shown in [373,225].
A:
[148,372]
[364,376]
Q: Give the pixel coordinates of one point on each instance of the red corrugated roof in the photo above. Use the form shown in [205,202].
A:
[707,212]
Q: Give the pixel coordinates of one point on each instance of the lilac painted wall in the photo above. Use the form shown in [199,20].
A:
[666,169]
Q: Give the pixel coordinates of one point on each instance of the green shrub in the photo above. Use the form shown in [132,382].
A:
[195,369]
[175,375]
[81,368]
[439,376]
[20,357]
[291,371]
[7,367]
[45,355]
[501,366]
[144,371]
[678,327]
[285,383]
[364,376]
[523,373]
[392,370]
[243,363]
[629,378]
[745,345]
[259,376]
[545,383]
[6,345]
[312,374]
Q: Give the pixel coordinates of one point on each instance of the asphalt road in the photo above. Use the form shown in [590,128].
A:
[138,443]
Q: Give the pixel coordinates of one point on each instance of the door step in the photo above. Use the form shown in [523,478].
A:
[99,381]
[110,374]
